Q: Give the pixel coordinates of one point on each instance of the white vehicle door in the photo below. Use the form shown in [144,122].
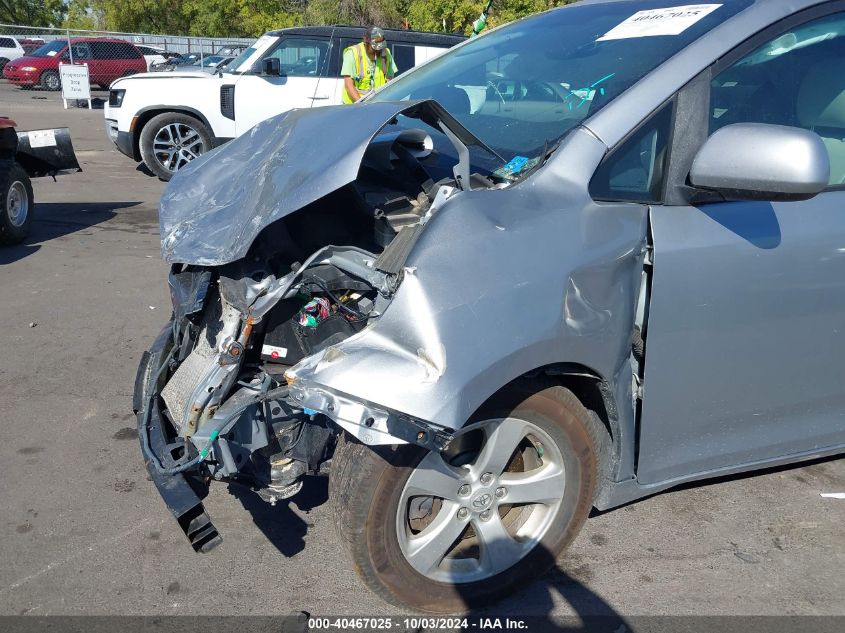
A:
[302,59]
[330,90]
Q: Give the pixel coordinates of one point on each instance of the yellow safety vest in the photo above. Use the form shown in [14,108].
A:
[362,77]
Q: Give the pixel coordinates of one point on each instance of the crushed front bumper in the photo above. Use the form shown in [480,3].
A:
[182,493]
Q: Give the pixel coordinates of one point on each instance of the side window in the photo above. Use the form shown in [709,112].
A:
[338,55]
[302,57]
[104,50]
[6,42]
[81,51]
[796,79]
[635,170]
[405,57]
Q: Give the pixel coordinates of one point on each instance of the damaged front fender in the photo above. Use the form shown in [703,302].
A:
[501,283]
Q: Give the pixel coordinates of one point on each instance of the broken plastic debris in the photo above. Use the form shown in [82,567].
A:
[152,307]
[832,495]
[32,324]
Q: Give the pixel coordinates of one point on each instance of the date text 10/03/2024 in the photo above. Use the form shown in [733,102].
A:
[417,623]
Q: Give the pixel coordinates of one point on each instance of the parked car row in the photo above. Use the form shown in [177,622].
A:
[31,63]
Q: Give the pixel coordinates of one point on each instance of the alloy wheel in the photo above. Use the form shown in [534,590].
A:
[471,513]
[52,81]
[177,144]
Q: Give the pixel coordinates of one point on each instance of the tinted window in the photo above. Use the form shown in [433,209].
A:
[404,57]
[796,79]
[301,57]
[103,50]
[344,44]
[635,170]
[124,50]
[6,42]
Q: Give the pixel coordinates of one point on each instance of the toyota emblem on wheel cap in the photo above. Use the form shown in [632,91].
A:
[482,501]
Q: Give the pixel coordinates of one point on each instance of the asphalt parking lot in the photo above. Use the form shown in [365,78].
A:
[83,531]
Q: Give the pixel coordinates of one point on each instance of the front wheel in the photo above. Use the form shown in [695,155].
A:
[18,202]
[441,532]
[171,140]
[50,80]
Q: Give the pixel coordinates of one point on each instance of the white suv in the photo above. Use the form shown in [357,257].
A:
[168,119]
[10,49]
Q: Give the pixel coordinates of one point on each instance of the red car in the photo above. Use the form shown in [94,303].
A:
[107,59]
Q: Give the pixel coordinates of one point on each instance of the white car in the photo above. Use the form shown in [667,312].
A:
[10,49]
[153,54]
[168,119]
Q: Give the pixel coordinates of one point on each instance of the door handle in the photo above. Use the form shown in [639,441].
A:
[318,98]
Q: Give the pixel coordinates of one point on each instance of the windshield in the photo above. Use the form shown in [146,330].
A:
[521,87]
[213,60]
[245,61]
[50,50]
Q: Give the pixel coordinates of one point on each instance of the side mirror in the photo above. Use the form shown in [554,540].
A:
[271,67]
[759,161]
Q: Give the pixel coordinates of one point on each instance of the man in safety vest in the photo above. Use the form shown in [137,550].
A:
[366,66]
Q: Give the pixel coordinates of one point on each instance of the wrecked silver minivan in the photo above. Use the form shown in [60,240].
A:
[541,273]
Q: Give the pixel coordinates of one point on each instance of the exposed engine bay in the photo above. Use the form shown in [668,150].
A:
[217,396]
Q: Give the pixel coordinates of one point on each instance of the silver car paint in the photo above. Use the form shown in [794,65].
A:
[744,363]
[761,158]
[506,281]
[206,221]
[497,286]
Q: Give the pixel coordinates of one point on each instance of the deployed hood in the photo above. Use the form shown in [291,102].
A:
[215,207]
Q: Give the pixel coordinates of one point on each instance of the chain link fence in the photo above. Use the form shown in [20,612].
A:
[30,56]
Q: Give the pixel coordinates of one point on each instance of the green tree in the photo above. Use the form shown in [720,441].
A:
[384,13]
[250,18]
[143,16]
[32,12]
[457,16]
[81,14]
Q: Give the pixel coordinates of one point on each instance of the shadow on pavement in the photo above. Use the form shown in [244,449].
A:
[537,603]
[56,219]
[284,524]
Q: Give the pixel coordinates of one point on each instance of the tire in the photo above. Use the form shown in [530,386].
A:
[18,205]
[50,80]
[159,152]
[560,443]
[3,62]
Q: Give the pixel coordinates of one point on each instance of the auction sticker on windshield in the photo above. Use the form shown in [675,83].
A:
[670,21]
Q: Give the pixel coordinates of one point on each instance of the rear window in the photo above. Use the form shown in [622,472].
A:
[7,42]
